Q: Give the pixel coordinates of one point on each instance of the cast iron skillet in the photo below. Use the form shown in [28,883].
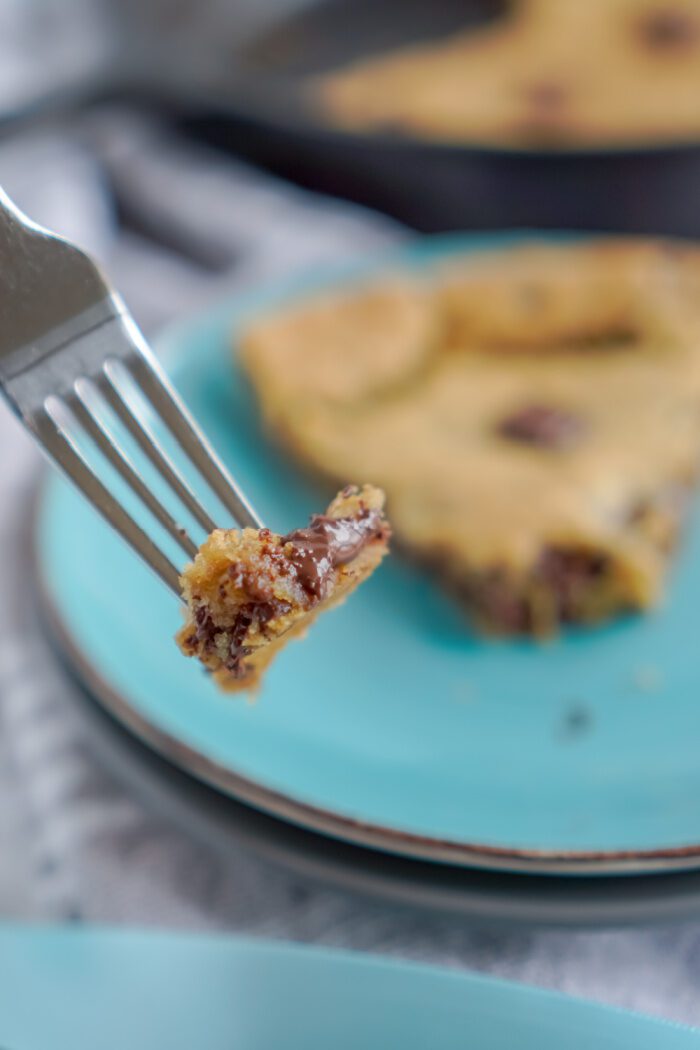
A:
[233,74]
[241,88]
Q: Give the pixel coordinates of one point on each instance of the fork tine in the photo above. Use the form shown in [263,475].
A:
[62,449]
[107,385]
[60,347]
[80,408]
[154,383]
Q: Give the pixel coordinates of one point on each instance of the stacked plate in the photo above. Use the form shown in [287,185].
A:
[77,991]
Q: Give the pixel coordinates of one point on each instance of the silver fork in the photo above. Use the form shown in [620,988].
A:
[69,346]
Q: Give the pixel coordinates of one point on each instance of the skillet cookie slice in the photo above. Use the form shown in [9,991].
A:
[532,413]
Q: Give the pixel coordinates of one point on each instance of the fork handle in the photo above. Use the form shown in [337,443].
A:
[44,280]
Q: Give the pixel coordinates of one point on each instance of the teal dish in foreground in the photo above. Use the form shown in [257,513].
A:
[392,725]
[80,990]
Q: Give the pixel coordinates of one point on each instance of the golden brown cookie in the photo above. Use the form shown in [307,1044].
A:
[248,593]
[546,73]
[537,447]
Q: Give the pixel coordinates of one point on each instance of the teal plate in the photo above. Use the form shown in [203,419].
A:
[84,990]
[392,726]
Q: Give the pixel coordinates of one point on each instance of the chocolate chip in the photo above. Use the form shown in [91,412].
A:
[542,426]
[248,615]
[568,573]
[561,565]
[500,605]
[669,29]
[547,95]
[241,626]
[206,629]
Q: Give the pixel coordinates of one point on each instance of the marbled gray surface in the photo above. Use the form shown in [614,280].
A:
[76,844]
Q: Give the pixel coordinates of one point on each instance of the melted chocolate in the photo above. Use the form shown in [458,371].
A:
[317,550]
[500,604]
[205,629]
[570,574]
[249,614]
[327,543]
[669,29]
[543,426]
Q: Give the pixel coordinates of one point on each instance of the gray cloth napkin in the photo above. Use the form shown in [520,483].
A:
[78,844]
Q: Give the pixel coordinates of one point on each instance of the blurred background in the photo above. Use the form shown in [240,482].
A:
[177,141]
